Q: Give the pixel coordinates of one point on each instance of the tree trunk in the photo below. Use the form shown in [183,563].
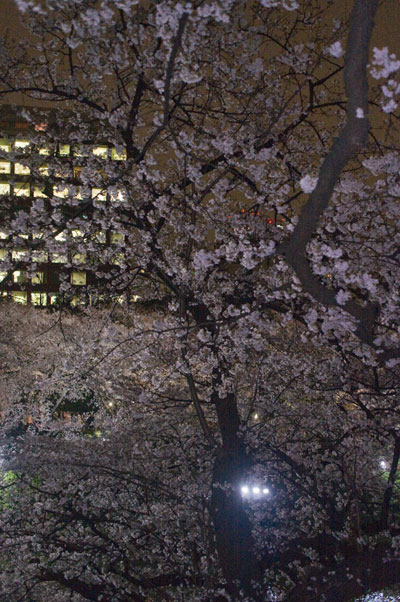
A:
[232,527]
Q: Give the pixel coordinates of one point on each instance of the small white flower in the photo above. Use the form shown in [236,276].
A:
[390,106]
[336,49]
[342,297]
[290,5]
[203,260]
[307,184]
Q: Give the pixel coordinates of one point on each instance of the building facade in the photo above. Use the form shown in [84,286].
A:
[31,271]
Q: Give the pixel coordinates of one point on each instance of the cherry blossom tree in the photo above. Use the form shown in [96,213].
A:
[252,205]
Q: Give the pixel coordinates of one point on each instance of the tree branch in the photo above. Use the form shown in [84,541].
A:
[350,141]
[199,411]
[167,88]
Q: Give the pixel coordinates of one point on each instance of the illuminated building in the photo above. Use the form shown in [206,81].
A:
[29,271]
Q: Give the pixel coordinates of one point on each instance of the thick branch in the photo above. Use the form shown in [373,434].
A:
[350,141]
[199,411]
[167,87]
[390,484]
[89,591]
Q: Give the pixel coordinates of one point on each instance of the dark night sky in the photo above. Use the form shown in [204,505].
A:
[387,24]
[386,33]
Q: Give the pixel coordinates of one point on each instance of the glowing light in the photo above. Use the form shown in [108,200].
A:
[255,492]
[256,416]
[383,464]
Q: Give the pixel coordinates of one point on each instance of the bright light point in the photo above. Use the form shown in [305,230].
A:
[244,490]
[382,464]
[110,405]
[265,491]
[255,416]
[256,490]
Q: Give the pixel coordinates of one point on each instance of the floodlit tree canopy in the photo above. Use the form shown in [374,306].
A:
[211,411]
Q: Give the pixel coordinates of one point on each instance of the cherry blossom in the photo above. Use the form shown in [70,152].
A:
[230,193]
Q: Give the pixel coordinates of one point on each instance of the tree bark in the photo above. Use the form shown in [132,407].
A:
[233,534]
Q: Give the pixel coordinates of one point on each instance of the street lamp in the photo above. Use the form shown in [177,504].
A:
[255,491]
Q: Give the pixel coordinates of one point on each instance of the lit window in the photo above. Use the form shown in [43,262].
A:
[99,194]
[21,188]
[44,151]
[118,259]
[118,156]
[116,237]
[5,166]
[4,188]
[3,254]
[117,195]
[38,278]
[58,258]
[77,233]
[79,257]
[21,170]
[39,298]
[19,277]
[19,297]
[38,192]
[3,235]
[21,143]
[19,254]
[44,170]
[64,149]
[78,278]
[39,256]
[5,145]
[61,191]
[100,151]
[61,236]
[53,298]
[2,275]
[75,301]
